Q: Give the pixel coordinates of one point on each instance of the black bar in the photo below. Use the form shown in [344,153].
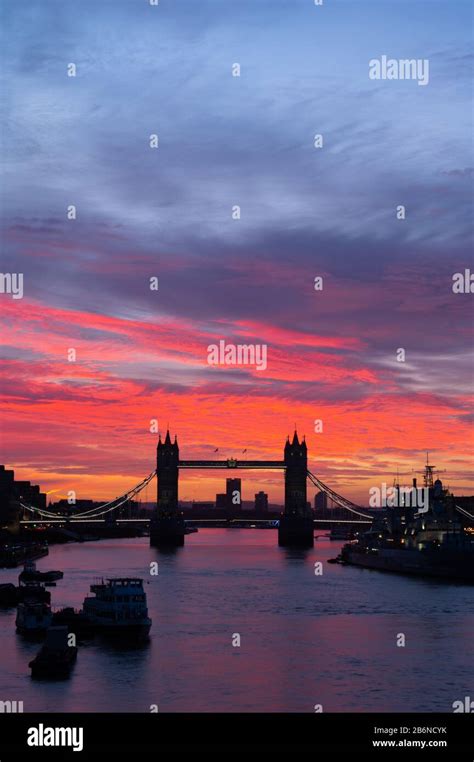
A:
[330,732]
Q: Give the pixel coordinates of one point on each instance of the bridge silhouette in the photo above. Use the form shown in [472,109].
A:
[167,525]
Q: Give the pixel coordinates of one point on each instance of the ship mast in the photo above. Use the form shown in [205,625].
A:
[428,474]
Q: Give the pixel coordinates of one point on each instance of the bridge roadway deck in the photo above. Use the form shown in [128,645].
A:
[187,521]
[232,463]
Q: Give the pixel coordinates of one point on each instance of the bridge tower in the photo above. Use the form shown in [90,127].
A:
[296,524]
[167,525]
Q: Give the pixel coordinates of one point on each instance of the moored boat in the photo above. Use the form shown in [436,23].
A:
[8,594]
[433,539]
[30,591]
[33,618]
[31,574]
[119,608]
[76,622]
[56,658]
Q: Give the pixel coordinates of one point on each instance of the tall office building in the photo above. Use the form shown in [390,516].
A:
[321,502]
[221,500]
[14,492]
[261,502]
[234,495]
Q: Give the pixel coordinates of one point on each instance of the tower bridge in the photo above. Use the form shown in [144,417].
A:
[167,525]
[296,527]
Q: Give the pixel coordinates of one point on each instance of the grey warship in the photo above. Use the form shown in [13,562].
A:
[436,542]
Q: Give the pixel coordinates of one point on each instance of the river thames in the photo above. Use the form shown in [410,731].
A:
[305,639]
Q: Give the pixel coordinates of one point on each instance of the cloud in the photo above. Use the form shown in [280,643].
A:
[305,212]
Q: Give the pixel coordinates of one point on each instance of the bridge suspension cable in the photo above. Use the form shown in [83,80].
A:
[464,512]
[79,515]
[98,510]
[33,509]
[338,499]
[117,502]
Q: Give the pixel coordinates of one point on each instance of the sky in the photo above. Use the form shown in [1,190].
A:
[167,213]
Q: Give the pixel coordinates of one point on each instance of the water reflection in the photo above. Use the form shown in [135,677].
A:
[305,639]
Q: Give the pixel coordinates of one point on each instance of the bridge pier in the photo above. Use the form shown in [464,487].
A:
[167,531]
[296,532]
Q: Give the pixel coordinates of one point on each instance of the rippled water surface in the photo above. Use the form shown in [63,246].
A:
[305,639]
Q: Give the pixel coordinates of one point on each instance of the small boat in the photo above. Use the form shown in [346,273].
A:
[119,608]
[31,574]
[76,622]
[33,591]
[56,658]
[8,594]
[33,618]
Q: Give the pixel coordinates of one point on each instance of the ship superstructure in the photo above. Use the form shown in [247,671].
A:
[423,532]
